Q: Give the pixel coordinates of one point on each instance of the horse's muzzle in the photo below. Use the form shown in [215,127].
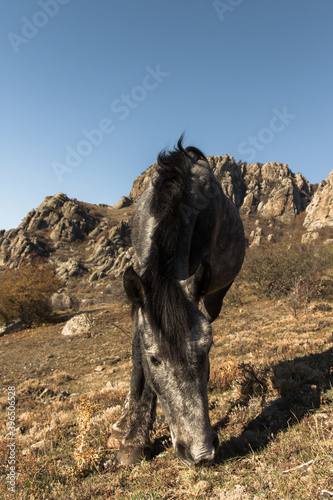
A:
[198,456]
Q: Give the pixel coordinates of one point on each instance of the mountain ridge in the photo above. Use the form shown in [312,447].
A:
[93,241]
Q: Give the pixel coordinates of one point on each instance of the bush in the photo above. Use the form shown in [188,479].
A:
[290,272]
[273,269]
[25,293]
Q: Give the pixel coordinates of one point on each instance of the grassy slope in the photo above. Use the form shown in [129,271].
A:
[270,400]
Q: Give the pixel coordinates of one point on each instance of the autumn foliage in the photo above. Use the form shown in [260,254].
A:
[25,293]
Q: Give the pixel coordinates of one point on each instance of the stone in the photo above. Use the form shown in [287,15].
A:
[256,236]
[11,327]
[203,486]
[309,237]
[82,323]
[61,301]
[71,268]
[99,368]
[141,183]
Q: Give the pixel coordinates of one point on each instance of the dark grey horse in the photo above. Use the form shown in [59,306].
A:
[189,245]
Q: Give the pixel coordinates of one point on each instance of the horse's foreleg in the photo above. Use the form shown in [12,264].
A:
[132,429]
[212,304]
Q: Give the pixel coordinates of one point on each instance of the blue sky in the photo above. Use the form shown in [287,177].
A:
[92,90]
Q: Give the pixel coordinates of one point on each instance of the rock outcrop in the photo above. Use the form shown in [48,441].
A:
[124,202]
[67,218]
[17,246]
[110,252]
[319,212]
[80,240]
[57,219]
[270,190]
[141,183]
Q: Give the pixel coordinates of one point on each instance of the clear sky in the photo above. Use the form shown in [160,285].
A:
[92,90]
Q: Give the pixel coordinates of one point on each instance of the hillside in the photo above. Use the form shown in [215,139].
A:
[270,400]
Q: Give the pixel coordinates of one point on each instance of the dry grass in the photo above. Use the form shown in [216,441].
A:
[270,397]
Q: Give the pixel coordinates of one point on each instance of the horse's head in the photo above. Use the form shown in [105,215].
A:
[177,369]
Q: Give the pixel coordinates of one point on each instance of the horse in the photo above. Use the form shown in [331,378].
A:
[189,246]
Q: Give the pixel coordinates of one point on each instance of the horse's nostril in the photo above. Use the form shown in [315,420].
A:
[184,453]
[204,456]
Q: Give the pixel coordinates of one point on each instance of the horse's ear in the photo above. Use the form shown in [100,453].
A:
[134,287]
[199,282]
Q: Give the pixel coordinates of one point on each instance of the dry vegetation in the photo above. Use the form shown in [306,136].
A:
[26,292]
[270,397]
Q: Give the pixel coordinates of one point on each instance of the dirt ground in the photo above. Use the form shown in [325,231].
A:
[270,400]
[84,362]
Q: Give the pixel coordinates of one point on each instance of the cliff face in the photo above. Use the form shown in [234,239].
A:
[92,241]
[270,190]
[319,212]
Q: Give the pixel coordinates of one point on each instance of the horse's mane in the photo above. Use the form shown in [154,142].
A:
[166,303]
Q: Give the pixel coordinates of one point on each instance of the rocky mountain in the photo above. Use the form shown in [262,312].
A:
[80,239]
[93,241]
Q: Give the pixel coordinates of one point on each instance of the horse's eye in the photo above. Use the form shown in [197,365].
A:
[155,361]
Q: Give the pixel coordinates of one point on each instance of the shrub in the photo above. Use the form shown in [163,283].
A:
[26,293]
[293,273]
[272,270]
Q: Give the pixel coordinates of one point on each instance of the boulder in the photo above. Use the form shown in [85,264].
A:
[61,301]
[82,323]
[310,237]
